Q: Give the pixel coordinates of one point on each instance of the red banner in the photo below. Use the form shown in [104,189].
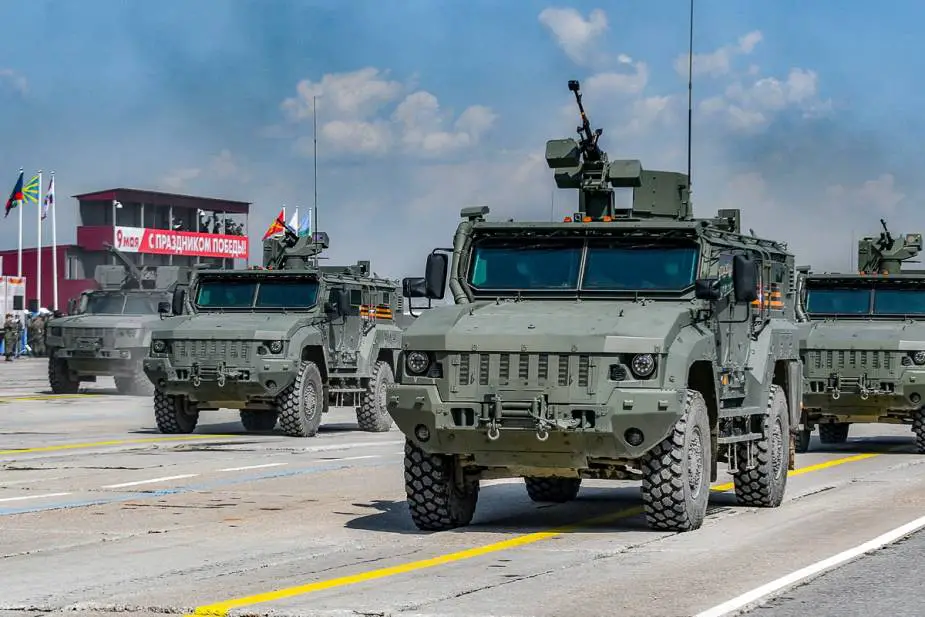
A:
[166,242]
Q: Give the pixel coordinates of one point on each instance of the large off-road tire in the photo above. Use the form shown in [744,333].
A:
[555,490]
[676,472]
[372,415]
[435,499]
[302,404]
[137,385]
[59,377]
[259,420]
[918,428]
[764,485]
[801,442]
[174,414]
[834,433]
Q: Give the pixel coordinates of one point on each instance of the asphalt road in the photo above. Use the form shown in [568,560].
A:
[101,514]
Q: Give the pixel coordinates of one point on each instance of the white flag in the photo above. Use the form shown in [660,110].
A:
[49,200]
[294,221]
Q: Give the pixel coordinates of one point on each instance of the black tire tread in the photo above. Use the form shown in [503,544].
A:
[369,417]
[58,377]
[756,487]
[434,501]
[552,490]
[663,479]
[834,432]
[291,420]
[918,429]
[259,420]
[171,415]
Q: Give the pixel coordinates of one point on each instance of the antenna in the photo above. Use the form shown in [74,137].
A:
[315,164]
[690,92]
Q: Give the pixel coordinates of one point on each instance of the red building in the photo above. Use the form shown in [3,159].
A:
[153,228]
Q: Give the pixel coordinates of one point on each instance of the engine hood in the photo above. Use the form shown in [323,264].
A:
[229,326]
[107,321]
[550,326]
[866,335]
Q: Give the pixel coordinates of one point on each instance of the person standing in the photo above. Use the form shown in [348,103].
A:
[9,337]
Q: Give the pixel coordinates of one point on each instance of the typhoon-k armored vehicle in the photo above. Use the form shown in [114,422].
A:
[863,343]
[107,331]
[621,343]
[279,343]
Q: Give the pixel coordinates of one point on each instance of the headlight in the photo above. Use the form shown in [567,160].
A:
[919,357]
[642,365]
[159,346]
[276,346]
[417,362]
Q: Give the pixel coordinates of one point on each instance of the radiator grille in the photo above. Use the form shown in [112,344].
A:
[532,369]
[185,352]
[855,359]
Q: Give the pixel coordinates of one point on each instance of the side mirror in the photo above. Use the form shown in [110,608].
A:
[179,296]
[163,307]
[744,278]
[706,289]
[435,275]
[414,287]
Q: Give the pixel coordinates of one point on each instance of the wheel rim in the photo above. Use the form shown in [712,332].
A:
[695,463]
[309,401]
[380,393]
[777,448]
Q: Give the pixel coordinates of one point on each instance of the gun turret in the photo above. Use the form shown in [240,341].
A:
[583,165]
[884,255]
[292,252]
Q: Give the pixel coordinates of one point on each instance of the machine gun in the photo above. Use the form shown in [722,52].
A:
[583,165]
[292,252]
[128,276]
[884,255]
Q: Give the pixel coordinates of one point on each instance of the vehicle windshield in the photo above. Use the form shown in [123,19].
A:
[622,267]
[555,266]
[295,293]
[899,302]
[121,304]
[838,301]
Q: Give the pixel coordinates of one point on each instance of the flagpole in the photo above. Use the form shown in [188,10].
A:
[38,254]
[314,221]
[19,245]
[54,246]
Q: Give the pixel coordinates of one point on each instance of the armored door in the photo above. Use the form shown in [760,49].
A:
[735,322]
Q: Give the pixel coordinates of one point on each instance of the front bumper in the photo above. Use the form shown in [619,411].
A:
[98,361]
[863,397]
[522,429]
[207,382]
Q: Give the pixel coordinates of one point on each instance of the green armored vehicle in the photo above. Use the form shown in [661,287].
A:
[279,343]
[636,343]
[863,343]
[107,331]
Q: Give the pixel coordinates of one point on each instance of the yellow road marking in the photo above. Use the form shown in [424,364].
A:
[220,609]
[45,397]
[113,442]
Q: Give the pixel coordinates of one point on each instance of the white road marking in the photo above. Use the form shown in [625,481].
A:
[33,480]
[152,480]
[751,597]
[253,467]
[34,496]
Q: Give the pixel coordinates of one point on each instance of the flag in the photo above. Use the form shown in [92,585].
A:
[30,192]
[15,197]
[276,227]
[305,227]
[294,221]
[49,200]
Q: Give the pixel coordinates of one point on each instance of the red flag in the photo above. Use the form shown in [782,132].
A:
[278,226]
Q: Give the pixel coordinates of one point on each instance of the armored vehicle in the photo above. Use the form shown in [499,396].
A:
[280,342]
[107,331]
[621,343]
[863,345]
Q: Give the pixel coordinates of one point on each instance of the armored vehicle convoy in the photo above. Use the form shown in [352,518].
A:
[107,331]
[863,344]
[636,343]
[279,343]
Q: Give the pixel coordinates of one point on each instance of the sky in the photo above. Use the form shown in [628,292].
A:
[804,118]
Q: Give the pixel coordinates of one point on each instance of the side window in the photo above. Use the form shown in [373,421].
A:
[356,298]
[386,299]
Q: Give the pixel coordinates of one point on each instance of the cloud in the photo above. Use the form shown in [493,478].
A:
[572,32]
[879,196]
[222,166]
[612,83]
[14,80]
[719,62]
[354,105]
